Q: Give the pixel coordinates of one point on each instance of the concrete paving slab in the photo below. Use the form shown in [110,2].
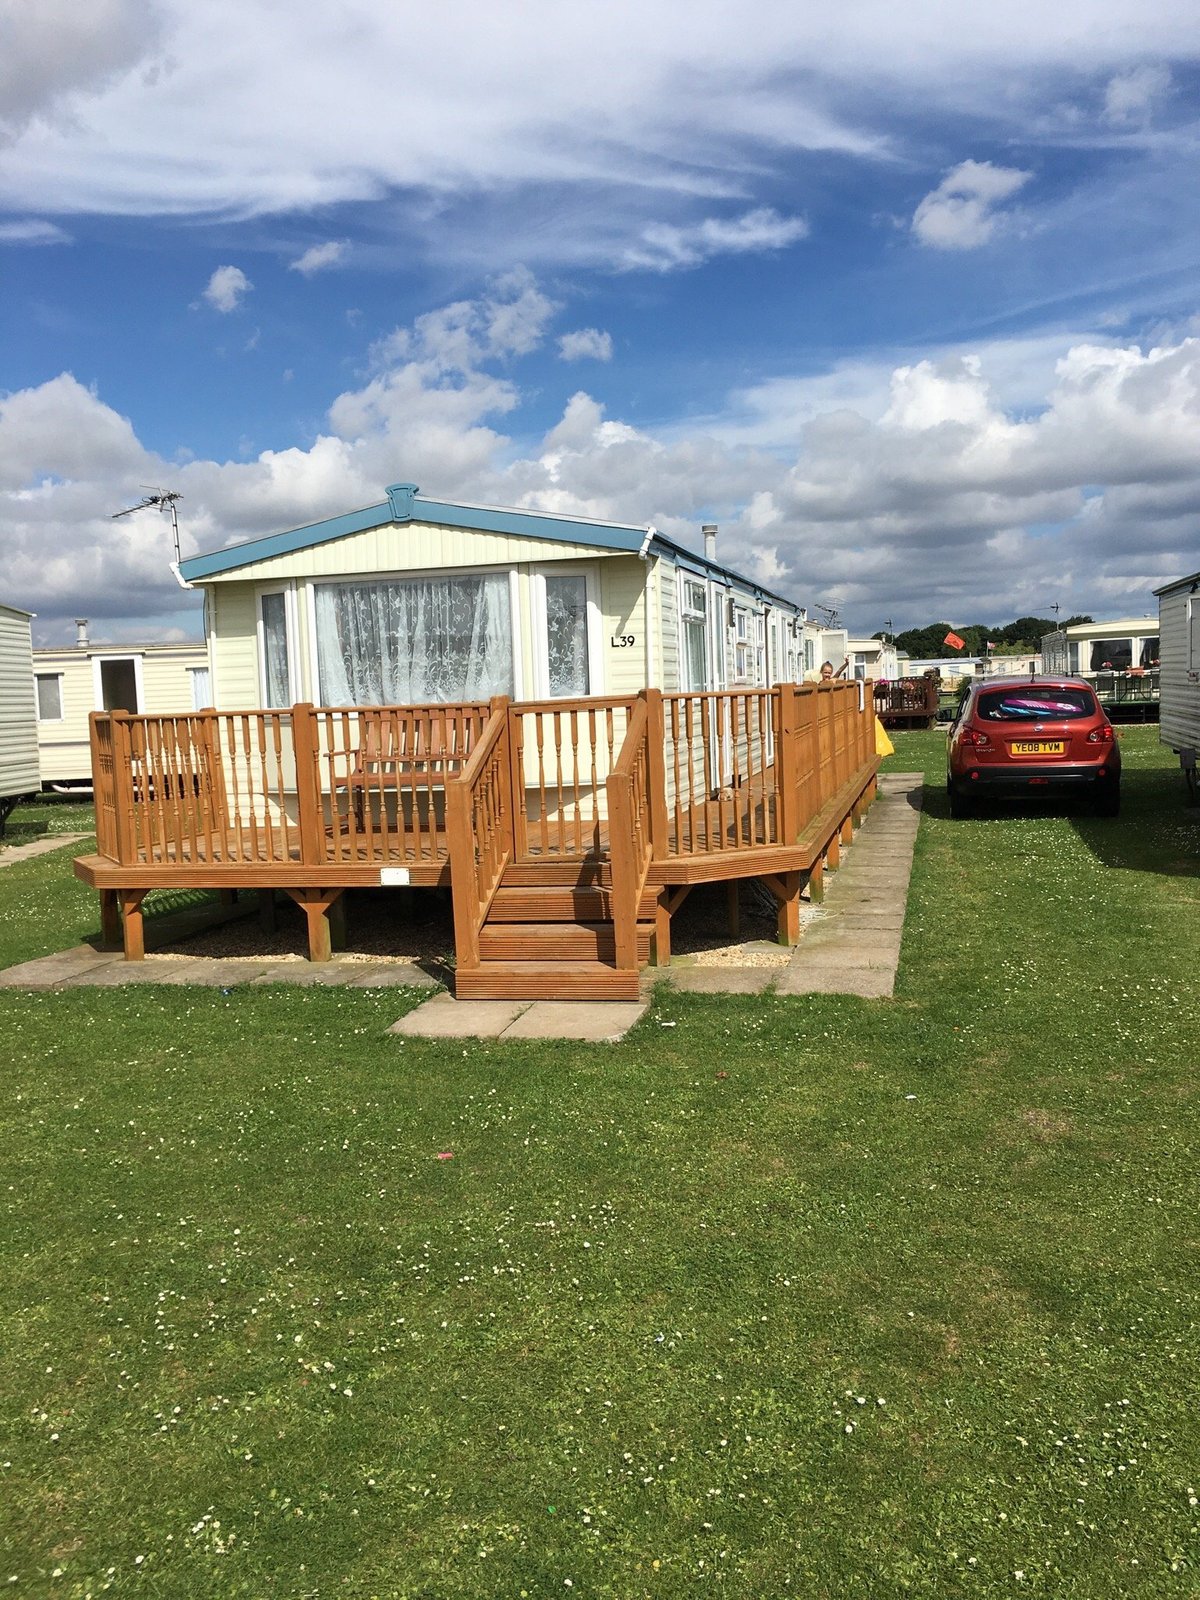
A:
[306,974]
[64,966]
[12,853]
[395,975]
[871,942]
[869,983]
[589,1021]
[444,1017]
[719,980]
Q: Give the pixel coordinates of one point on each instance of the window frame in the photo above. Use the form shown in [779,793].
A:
[516,611]
[37,698]
[290,634]
[540,626]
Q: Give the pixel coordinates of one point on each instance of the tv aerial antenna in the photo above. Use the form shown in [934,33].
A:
[1056,608]
[831,614]
[160,500]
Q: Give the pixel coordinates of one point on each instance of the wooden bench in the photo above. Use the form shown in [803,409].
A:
[398,754]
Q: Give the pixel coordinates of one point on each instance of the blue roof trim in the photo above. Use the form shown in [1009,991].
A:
[403,504]
[531,525]
[701,567]
[283,544]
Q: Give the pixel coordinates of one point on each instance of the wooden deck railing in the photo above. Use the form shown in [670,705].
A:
[707,774]
[563,752]
[630,833]
[479,827]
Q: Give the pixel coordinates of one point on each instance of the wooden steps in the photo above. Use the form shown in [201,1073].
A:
[549,935]
[545,980]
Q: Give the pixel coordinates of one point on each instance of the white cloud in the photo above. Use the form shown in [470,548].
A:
[1131,97]
[33,231]
[982,483]
[57,49]
[226,289]
[664,247]
[632,113]
[960,214]
[320,257]
[585,344]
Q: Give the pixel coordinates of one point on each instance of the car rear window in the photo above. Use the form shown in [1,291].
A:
[1033,702]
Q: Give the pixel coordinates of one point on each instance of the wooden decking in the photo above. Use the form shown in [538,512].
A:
[568,832]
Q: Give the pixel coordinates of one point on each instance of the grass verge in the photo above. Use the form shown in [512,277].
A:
[814,1295]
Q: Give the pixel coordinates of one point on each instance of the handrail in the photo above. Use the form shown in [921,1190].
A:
[629,828]
[479,830]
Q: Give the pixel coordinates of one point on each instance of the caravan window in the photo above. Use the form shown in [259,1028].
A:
[695,634]
[49,696]
[567,634]
[274,649]
[415,641]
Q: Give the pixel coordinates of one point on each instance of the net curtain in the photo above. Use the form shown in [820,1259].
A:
[415,641]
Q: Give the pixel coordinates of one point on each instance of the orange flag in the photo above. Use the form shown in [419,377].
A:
[955,642]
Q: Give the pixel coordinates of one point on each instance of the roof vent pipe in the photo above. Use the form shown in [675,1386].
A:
[81,633]
[709,530]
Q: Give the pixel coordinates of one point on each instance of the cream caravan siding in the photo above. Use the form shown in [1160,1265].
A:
[406,547]
[63,747]
[1179,702]
[233,642]
[669,677]
[623,608]
[18,713]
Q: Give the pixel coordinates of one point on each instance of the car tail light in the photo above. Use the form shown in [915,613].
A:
[1101,735]
[974,738]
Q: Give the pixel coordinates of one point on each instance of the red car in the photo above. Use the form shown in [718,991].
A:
[1032,737]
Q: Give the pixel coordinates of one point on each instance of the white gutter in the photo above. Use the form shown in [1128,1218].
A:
[650,602]
[179,579]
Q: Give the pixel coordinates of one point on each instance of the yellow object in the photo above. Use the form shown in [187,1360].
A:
[883,745]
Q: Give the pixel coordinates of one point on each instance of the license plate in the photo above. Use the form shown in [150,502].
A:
[1038,747]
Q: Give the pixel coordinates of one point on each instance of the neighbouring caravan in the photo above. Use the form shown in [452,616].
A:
[77,680]
[19,774]
[415,601]
[1179,704]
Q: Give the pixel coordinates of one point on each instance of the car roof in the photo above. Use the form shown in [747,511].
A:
[1041,681]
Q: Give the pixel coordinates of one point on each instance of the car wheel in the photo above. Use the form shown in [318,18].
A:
[960,806]
[1108,800]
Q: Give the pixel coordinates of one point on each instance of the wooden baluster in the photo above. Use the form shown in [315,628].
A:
[675,707]
[593,736]
[656,773]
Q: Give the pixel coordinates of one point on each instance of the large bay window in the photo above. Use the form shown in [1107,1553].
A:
[415,641]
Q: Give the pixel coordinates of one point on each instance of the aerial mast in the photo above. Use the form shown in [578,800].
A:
[161,500]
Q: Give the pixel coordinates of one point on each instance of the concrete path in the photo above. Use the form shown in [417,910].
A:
[850,945]
[854,946]
[590,1021]
[12,853]
[851,942]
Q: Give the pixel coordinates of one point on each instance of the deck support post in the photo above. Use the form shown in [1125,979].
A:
[228,897]
[786,887]
[847,830]
[733,909]
[110,919]
[134,929]
[315,904]
[833,852]
[267,919]
[816,883]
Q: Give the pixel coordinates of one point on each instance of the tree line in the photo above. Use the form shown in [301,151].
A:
[1022,637]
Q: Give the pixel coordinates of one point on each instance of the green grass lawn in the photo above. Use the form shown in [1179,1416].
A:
[811,1296]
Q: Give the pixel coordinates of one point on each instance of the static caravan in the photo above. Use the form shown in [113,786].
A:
[417,601]
[19,773]
[872,658]
[1179,706]
[77,680]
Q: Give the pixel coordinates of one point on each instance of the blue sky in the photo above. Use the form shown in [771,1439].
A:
[909,310]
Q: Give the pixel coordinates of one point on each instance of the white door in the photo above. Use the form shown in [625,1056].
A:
[566,623]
